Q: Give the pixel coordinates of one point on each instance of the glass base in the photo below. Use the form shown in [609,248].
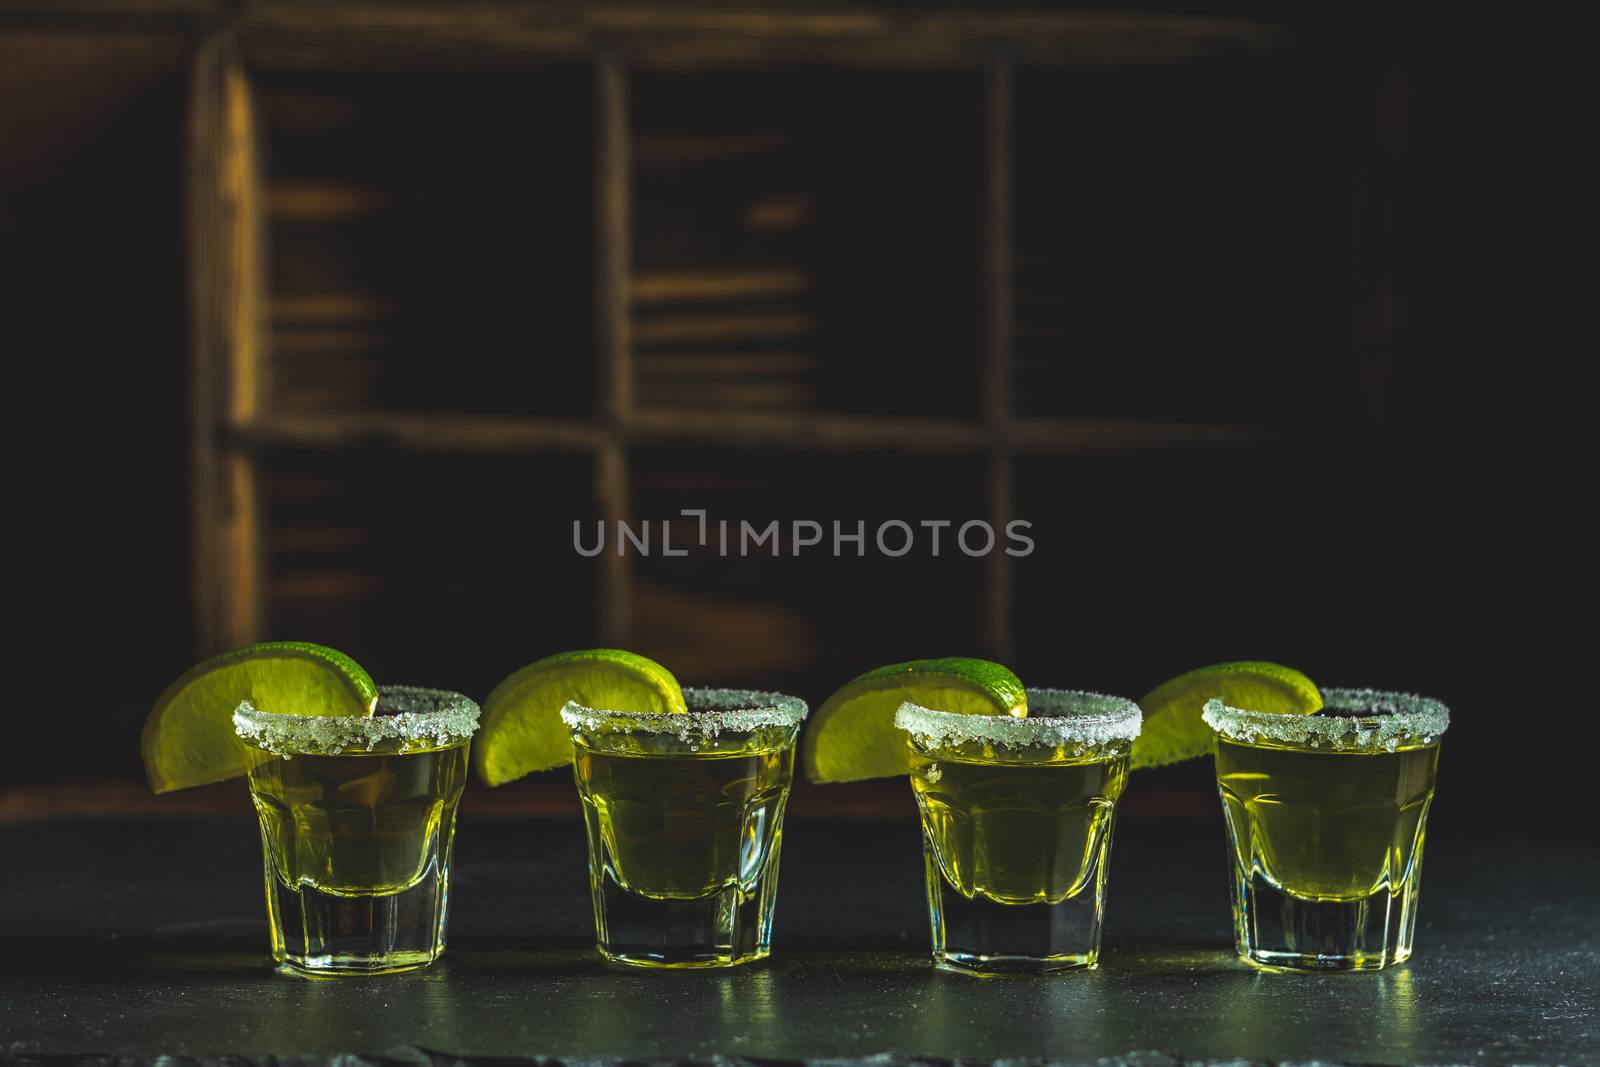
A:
[989,966]
[724,929]
[345,966]
[981,936]
[321,934]
[1277,931]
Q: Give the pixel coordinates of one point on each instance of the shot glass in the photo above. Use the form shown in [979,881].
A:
[1017,819]
[1326,816]
[357,821]
[685,820]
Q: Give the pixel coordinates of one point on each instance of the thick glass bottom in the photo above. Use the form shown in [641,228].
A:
[989,966]
[322,934]
[344,966]
[724,929]
[980,936]
[1276,930]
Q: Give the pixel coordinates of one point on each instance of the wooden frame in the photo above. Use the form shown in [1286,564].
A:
[226,262]
[231,427]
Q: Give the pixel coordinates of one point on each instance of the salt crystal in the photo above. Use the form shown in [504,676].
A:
[711,712]
[1367,720]
[406,714]
[1056,718]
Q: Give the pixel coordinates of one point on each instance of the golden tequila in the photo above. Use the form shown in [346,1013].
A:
[1326,818]
[1017,819]
[684,827]
[1335,826]
[685,822]
[357,821]
[1018,832]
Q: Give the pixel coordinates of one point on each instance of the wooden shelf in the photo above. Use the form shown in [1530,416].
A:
[421,433]
[290,33]
[299,34]
[785,429]
[752,328]
[1119,435]
[325,201]
[735,429]
[807,430]
[672,289]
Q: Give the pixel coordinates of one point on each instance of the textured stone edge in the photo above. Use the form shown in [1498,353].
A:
[411,1056]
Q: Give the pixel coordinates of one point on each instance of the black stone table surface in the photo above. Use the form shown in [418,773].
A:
[137,938]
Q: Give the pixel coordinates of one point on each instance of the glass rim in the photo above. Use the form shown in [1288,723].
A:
[436,717]
[710,712]
[1074,717]
[1371,719]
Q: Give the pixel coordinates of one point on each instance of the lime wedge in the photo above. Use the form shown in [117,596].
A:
[853,736]
[521,727]
[188,736]
[1172,727]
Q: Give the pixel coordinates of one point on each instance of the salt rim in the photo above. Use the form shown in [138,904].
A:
[1384,721]
[432,716]
[1072,717]
[711,711]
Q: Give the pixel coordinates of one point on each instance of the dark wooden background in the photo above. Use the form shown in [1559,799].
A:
[348,311]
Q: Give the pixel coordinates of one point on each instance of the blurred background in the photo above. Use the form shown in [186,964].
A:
[357,310]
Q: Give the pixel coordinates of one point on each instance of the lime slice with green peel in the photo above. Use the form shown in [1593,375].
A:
[188,736]
[1172,727]
[521,728]
[853,736]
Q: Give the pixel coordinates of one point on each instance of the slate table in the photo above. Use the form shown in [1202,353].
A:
[142,937]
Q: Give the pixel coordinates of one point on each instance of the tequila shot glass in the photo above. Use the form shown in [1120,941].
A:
[357,821]
[1017,820]
[1326,816]
[684,814]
